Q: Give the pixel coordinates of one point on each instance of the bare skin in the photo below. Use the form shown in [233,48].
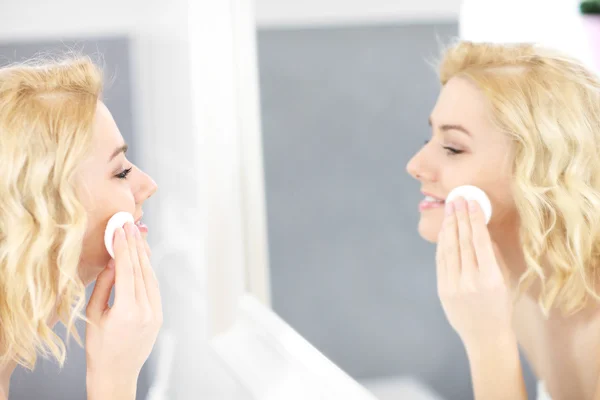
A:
[563,351]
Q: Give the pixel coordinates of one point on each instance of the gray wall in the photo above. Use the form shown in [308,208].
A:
[48,381]
[343,111]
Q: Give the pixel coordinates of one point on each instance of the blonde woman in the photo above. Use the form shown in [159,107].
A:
[522,123]
[63,174]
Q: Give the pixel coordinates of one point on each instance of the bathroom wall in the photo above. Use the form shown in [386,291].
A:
[343,110]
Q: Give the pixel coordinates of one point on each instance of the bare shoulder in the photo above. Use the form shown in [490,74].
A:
[563,351]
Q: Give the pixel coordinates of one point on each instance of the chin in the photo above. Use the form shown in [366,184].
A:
[430,225]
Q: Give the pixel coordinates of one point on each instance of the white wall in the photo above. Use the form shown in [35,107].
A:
[559,25]
[273,13]
[37,19]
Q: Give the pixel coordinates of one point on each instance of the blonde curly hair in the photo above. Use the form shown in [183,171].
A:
[549,105]
[47,111]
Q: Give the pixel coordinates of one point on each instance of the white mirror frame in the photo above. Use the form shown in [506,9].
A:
[225,95]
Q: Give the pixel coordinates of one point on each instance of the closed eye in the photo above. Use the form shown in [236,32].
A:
[124,173]
[451,151]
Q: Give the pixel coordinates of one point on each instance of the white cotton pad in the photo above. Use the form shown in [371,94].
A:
[116,221]
[469,192]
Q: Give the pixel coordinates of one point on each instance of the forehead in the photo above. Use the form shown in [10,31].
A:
[107,136]
[461,102]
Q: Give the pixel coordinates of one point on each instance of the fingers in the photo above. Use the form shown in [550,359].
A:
[482,243]
[99,299]
[468,258]
[451,246]
[133,236]
[150,280]
[124,278]
[147,248]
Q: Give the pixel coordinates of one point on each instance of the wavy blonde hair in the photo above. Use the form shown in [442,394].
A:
[47,111]
[549,105]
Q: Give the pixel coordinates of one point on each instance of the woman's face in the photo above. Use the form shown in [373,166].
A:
[110,183]
[465,148]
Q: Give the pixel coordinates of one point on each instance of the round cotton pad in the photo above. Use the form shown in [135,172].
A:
[469,192]
[116,221]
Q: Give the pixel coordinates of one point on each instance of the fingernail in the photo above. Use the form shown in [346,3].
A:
[473,206]
[460,205]
[137,231]
[449,208]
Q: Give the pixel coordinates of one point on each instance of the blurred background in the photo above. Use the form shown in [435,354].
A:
[278,132]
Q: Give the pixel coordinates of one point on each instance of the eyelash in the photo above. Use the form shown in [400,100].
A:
[123,175]
[451,151]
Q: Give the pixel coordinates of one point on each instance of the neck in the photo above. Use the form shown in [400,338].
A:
[511,252]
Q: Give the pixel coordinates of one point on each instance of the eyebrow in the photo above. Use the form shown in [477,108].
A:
[119,150]
[452,127]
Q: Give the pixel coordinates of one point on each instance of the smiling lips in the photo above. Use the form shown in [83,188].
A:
[141,226]
[430,203]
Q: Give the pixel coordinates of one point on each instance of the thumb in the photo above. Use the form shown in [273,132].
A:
[99,299]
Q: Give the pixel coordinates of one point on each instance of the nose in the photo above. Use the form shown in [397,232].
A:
[147,187]
[418,168]
[411,167]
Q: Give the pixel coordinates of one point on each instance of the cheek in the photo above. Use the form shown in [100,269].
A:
[431,221]
[504,212]
[498,189]
[496,181]
[94,251]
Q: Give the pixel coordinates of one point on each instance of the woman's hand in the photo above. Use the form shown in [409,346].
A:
[120,339]
[477,302]
[471,283]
